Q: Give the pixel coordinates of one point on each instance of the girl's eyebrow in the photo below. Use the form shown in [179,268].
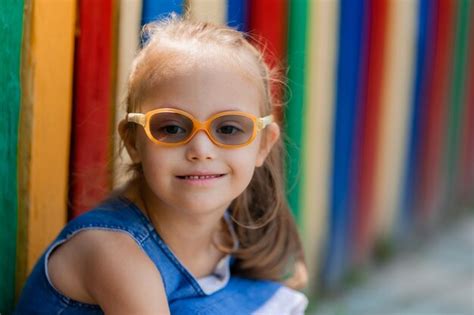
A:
[230,109]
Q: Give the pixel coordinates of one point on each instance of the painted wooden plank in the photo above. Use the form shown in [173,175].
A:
[24,152]
[130,13]
[423,67]
[432,192]
[470,134]
[317,140]
[295,108]
[156,9]
[153,10]
[397,87]
[11,23]
[268,25]
[214,11]
[467,152]
[351,28]
[92,119]
[458,101]
[238,14]
[47,72]
[369,128]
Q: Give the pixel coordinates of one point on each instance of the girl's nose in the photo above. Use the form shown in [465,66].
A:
[200,147]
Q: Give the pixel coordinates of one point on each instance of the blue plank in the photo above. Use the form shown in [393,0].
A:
[237,14]
[352,21]
[156,9]
[424,57]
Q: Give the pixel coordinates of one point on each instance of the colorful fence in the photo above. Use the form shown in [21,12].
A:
[379,123]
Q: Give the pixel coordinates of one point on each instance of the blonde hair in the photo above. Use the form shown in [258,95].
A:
[269,245]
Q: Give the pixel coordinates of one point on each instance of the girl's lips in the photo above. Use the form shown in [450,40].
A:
[200,177]
[201,180]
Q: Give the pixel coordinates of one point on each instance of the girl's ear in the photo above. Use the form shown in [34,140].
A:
[271,135]
[129,140]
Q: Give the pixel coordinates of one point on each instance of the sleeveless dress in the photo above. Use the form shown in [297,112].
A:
[219,293]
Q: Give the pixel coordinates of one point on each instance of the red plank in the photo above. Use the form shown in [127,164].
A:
[369,129]
[268,23]
[432,192]
[92,118]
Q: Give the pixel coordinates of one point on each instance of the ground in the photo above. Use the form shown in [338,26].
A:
[436,278]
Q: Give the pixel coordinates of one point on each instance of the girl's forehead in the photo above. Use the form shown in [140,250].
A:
[206,87]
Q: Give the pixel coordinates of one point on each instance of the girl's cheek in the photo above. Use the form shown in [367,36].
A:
[245,165]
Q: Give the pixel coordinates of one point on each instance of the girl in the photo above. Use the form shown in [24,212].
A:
[203,227]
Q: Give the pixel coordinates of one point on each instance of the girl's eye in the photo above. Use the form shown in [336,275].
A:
[229,130]
[172,129]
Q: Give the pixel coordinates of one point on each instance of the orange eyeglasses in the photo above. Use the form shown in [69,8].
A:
[173,127]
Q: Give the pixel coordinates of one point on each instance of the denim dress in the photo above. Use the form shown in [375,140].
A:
[218,293]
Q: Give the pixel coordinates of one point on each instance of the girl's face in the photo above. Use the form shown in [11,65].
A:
[202,90]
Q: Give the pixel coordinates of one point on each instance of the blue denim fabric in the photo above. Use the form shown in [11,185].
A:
[185,296]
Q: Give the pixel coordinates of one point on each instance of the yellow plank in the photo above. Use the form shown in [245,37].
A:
[395,112]
[214,11]
[130,12]
[47,67]
[320,89]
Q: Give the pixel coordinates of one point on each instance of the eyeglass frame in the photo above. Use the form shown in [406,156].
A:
[143,119]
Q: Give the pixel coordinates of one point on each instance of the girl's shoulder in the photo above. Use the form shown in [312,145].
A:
[107,268]
[98,258]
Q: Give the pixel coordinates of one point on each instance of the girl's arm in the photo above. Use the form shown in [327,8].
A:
[108,269]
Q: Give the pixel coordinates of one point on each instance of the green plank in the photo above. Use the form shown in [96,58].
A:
[295,108]
[457,95]
[11,23]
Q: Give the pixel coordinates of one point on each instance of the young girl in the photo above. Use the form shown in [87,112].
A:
[203,227]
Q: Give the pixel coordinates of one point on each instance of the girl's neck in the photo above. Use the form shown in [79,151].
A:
[191,237]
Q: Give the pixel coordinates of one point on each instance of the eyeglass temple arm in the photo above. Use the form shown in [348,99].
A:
[264,121]
[136,118]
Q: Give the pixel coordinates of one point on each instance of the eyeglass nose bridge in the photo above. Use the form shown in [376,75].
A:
[204,126]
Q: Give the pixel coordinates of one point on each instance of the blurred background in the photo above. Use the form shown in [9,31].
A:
[379,124]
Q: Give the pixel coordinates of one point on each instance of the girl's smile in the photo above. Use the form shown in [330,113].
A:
[201,177]
[202,180]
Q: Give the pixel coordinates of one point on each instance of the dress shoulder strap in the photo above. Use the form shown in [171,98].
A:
[115,213]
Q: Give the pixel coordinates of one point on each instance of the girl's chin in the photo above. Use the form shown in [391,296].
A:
[202,209]
[206,205]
